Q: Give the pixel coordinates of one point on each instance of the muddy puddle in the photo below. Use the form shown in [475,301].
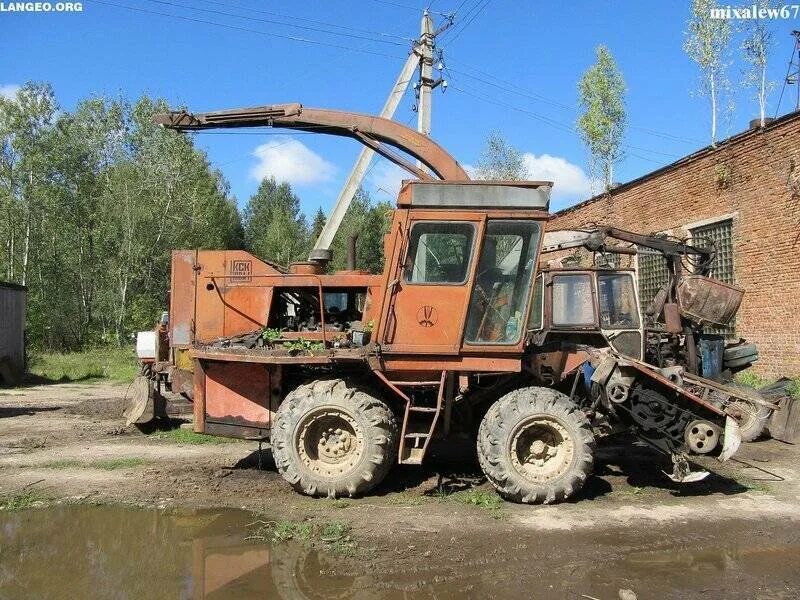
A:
[121,553]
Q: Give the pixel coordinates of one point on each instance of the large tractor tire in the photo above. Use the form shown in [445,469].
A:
[333,440]
[536,446]
[752,417]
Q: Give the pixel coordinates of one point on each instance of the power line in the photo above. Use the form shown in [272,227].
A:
[249,30]
[552,122]
[516,89]
[307,20]
[273,22]
[469,22]
[408,7]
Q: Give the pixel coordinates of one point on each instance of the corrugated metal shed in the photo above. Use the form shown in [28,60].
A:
[12,328]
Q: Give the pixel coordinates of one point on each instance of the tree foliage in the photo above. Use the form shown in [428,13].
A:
[500,160]
[370,222]
[93,201]
[601,93]
[756,46]
[274,227]
[706,44]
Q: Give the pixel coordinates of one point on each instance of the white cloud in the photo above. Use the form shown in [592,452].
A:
[570,182]
[9,90]
[287,159]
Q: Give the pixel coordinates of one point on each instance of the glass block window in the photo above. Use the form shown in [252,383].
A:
[653,275]
[718,236]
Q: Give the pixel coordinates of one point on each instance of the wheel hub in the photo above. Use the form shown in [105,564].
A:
[334,444]
[702,437]
[541,448]
[329,442]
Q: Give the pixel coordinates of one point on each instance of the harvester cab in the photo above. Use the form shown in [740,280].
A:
[348,373]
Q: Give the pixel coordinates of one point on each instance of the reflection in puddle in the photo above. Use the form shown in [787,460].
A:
[124,553]
[116,552]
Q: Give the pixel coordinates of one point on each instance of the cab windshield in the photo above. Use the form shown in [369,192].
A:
[617,301]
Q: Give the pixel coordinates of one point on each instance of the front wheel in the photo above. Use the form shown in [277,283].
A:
[536,446]
[333,440]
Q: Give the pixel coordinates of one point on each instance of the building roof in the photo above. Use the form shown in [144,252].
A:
[681,162]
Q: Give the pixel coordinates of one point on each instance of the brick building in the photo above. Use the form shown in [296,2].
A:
[745,196]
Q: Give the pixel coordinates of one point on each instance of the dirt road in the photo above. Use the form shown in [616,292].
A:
[68,443]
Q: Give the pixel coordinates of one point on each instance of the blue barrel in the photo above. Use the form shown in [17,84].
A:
[711,351]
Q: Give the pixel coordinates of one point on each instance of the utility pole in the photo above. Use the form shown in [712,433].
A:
[793,77]
[421,56]
[425,84]
[321,250]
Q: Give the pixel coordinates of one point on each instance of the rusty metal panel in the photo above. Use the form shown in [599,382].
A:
[237,394]
[12,325]
[210,320]
[708,301]
[182,298]
[494,195]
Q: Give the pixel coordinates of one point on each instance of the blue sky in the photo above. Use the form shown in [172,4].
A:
[535,51]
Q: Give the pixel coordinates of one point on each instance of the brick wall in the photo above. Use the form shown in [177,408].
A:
[753,177]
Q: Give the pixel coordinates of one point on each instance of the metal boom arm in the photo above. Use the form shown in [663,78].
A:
[371,131]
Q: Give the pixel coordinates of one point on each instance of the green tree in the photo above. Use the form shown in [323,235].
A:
[756,47]
[274,227]
[500,160]
[601,93]
[317,225]
[706,43]
[92,202]
[370,223]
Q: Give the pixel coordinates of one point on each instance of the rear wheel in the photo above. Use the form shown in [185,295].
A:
[536,446]
[333,440]
[751,416]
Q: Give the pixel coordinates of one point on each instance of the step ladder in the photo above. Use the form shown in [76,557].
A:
[414,444]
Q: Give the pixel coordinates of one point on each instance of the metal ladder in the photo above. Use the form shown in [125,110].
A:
[414,444]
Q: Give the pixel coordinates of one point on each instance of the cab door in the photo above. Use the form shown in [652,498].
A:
[429,294]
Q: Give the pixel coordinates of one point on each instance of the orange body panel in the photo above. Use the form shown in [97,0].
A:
[237,394]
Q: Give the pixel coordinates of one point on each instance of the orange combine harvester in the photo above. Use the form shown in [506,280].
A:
[348,373]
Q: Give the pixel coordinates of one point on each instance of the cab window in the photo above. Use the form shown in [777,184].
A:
[617,301]
[573,303]
[499,301]
[536,318]
[439,252]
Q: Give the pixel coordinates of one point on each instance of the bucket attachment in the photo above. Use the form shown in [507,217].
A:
[146,403]
[682,473]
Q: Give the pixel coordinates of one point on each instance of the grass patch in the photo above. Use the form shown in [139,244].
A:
[112,464]
[187,436]
[482,498]
[486,499]
[332,536]
[755,381]
[109,363]
[283,531]
[341,503]
[64,463]
[405,499]
[20,501]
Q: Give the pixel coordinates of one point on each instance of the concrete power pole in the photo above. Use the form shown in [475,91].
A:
[422,57]
[425,75]
[321,250]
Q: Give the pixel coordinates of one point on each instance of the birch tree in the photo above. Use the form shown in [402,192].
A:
[706,43]
[601,94]
[756,47]
[500,160]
